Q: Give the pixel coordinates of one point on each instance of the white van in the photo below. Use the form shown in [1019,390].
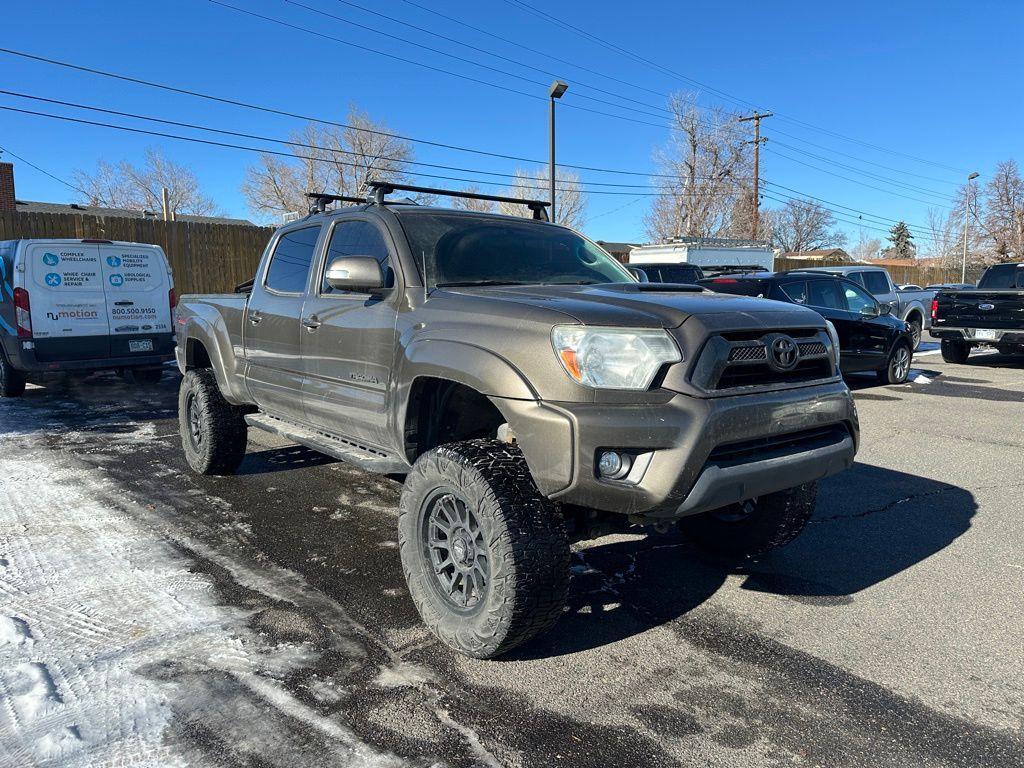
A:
[83,305]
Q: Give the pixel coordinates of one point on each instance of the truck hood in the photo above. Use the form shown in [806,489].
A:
[648,305]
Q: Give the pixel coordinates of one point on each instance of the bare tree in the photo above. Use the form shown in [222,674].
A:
[1003,220]
[470,204]
[945,236]
[866,247]
[570,199]
[707,166]
[139,187]
[804,225]
[330,159]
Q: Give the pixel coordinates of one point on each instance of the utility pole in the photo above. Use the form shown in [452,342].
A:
[165,200]
[967,224]
[757,117]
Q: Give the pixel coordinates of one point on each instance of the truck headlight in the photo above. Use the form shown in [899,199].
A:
[613,358]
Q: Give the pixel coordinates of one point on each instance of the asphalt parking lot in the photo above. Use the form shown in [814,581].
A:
[888,634]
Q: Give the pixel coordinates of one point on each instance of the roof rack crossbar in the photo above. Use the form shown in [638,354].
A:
[382,188]
[321,199]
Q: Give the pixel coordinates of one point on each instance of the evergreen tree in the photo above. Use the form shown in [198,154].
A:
[902,240]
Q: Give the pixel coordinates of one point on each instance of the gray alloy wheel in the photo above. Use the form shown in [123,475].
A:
[915,333]
[897,367]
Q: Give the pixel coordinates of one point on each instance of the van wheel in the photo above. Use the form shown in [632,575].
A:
[12,382]
[485,555]
[753,527]
[955,350]
[146,377]
[213,432]
[897,367]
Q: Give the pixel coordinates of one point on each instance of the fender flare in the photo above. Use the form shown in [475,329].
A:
[199,330]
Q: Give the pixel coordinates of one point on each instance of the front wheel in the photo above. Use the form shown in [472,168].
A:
[753,527]
[12,381]
[213,432]
[485,555]
[955,350]
[897,367]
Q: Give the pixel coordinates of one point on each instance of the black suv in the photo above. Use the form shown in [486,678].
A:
[870,338]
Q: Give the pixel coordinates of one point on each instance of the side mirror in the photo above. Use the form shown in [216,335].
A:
[639,274]
[870,310]
[885,309]
[355,273]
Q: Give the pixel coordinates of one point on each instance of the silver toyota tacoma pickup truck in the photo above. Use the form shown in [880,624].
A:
[526,388]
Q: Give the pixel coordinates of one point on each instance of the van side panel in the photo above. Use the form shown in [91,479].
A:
[137,282]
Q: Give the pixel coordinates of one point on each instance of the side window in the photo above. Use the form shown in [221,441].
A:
[291,261]
[825,294]
[857,277]
[797,292]
[856,298]
[358,238]
[876,282]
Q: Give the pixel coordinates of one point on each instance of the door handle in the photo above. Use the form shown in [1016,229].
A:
[255,318]
[312,322]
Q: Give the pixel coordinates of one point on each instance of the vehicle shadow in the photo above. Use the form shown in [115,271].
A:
[282,459]
[865,381]
[871,523]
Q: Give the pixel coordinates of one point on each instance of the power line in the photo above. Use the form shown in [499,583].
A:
[722,94]
[43,171]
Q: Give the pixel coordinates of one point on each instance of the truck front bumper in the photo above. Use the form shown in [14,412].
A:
[689,454]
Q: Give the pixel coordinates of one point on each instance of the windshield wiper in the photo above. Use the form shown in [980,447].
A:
[469,283]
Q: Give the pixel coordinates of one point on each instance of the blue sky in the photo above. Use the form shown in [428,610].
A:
[935,81]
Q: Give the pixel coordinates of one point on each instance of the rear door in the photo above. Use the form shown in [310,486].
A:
[137,284]
[68,303]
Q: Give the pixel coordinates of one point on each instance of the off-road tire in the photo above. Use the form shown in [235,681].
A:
[955,350]
[893,373]
[527,547]
[218,445]
[12,382]
[776,519]
[144,377]
[916,332]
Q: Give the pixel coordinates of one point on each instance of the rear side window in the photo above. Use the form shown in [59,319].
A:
[876,282]
[675,274]
[1002,277]
[291,261]
[358,238]
[825,294]
[796,292]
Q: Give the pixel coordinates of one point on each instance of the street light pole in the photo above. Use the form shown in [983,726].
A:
[967,224]
[558,88]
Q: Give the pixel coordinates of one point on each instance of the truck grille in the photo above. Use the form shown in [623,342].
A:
[763,448]
[732,361]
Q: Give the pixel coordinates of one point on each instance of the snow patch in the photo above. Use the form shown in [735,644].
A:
[403,675]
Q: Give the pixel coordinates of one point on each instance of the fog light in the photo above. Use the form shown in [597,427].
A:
[614,465]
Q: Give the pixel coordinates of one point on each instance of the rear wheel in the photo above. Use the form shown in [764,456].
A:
[897,367]
[955,350]
[753,527]
[144,376]
[915,332]
[485,555]
[213,432]
[12,382]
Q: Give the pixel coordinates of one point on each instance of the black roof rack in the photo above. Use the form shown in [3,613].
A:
[382,188]
[321,199]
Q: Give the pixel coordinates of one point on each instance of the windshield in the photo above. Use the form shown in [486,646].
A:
[1003,277]
[453,249]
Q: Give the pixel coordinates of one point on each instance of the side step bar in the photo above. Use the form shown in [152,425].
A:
[364,457]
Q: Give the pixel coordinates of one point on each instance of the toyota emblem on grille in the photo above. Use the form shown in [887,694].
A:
[783,353]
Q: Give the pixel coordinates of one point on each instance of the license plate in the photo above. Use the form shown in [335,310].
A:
[984,333]
[140,345]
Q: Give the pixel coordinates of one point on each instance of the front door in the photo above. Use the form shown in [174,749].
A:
[271,327]
[348,341]
[872,330]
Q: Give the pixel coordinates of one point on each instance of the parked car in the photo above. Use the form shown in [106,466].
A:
[525,384]
[990,315]
[910,287]
[671,273]
[83,305]
[910,305]
[950,287]
[870,338]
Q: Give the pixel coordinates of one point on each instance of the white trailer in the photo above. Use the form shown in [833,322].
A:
[706,252]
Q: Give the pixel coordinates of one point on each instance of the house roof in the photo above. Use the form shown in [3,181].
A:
[610,246]
[821,254]
[31,206]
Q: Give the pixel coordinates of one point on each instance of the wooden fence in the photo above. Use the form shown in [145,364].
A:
[205,258]
[916,275]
